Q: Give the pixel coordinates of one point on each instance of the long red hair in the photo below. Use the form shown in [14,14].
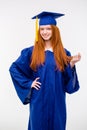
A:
[38,55]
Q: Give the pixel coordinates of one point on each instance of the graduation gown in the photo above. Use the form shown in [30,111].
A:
[48,104]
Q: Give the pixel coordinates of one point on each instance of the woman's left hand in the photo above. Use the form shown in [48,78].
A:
[75,59]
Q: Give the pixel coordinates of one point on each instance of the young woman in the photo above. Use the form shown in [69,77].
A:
[43,74]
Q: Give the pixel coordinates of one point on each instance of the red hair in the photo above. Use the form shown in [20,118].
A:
[38,55]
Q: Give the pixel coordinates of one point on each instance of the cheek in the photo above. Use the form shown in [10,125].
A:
[41,33]
[51,33]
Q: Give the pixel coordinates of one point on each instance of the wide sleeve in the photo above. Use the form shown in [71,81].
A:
[21,76]
[70,78]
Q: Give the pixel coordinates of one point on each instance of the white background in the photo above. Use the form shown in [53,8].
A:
[17,31]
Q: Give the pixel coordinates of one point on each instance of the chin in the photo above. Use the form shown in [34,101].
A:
[47,39]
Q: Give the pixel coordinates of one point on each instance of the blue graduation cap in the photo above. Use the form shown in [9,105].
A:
[46,18]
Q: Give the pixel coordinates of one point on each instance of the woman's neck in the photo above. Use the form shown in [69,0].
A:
[48,45]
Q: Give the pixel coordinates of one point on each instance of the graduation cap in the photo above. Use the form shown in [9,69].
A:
[46,18]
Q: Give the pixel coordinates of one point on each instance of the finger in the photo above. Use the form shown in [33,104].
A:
[38,83]
[36,87]
[37,78]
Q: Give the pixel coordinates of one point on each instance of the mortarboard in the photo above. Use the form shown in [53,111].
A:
[46,18]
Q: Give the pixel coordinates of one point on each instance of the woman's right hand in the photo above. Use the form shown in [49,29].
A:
[36,84]
[75,59]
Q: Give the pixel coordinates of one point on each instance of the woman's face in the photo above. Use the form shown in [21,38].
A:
[46,32]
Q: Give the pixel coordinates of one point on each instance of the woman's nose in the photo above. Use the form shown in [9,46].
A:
[45,31]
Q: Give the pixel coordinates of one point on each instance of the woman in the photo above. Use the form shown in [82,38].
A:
[43,74]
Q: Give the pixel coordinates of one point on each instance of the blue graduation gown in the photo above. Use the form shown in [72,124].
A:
[48,104]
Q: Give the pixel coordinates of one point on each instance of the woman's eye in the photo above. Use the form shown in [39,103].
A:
[49,28]
[41,29]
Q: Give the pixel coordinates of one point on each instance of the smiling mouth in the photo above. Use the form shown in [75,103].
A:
[45,36]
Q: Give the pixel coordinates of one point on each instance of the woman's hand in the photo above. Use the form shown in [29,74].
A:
[75,59]
[36,84]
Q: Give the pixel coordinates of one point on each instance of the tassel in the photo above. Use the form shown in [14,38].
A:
[36,38]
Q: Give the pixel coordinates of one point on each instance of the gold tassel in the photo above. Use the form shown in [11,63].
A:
[36,38]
